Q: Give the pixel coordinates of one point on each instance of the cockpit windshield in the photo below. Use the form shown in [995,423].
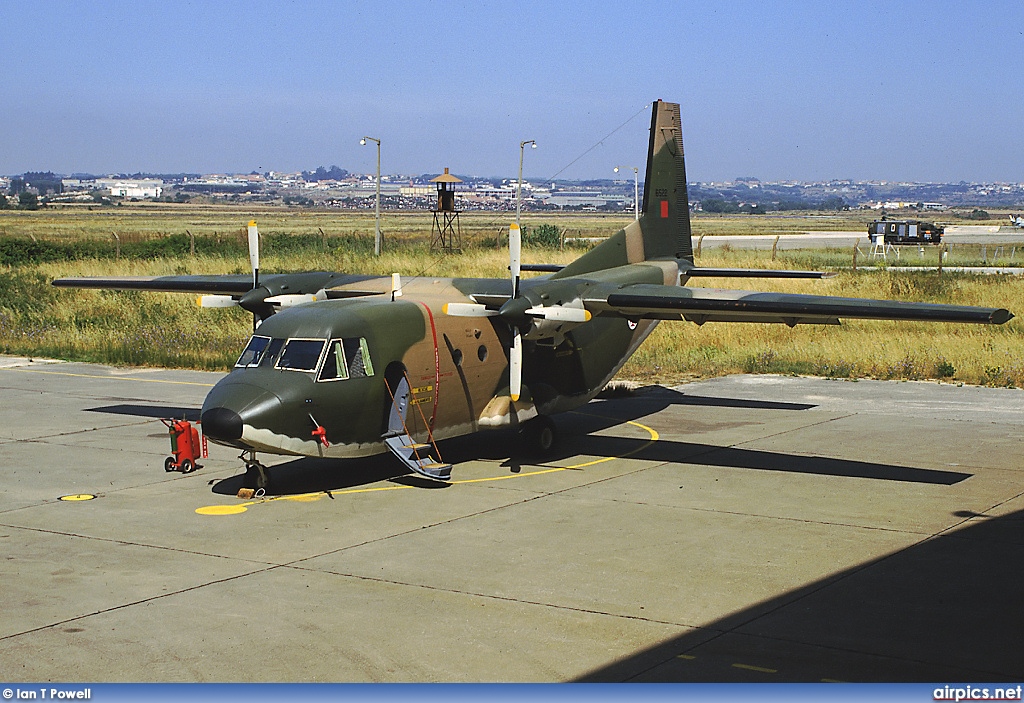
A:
[253,351]
[301,354]
[345,358]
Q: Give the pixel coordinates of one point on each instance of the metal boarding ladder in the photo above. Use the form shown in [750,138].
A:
[413,455]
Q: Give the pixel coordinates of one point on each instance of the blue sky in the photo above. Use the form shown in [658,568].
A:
[925,91]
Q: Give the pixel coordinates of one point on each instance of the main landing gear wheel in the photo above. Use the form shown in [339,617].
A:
[539,435]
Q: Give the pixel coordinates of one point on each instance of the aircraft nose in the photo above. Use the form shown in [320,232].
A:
[231,406]
[222,423]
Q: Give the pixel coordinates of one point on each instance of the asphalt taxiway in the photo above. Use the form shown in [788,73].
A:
[749,528]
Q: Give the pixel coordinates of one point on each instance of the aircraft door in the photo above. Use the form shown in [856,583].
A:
[399,396]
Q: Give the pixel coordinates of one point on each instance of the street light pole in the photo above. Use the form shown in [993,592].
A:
[519,187]
[376,215]
[636,189]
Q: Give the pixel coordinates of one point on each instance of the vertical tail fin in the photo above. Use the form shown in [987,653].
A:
[666,206]
[663,231]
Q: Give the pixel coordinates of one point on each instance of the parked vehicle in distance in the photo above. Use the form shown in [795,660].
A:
[905,231]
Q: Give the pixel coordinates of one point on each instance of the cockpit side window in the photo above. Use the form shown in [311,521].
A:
[301,354]
[334,368]
[358,356]
[253,351]
[346,358]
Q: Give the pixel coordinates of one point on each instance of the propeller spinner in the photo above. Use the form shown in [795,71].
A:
[257,301]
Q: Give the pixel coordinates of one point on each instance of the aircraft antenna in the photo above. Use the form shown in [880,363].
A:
[600,141]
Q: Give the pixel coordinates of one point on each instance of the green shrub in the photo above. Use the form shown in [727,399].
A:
[546,235]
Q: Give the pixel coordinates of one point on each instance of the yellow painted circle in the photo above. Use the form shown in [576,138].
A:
[222,510]
[77,497]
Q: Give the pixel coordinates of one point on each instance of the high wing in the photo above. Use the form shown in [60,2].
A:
[273,292]
[295,283]
[700,305]
[166,284]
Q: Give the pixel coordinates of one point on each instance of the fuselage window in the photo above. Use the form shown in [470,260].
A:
[301,354]
[346,358]
[253,351]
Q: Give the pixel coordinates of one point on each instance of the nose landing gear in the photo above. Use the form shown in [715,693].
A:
[256,476]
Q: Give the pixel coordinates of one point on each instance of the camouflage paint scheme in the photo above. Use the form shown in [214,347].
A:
[458,367]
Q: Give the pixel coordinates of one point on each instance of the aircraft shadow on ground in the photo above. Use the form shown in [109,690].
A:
[154,411]
[579,437]
[945,609]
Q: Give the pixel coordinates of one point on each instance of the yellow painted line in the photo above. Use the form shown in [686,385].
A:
[833,681]
[309,497]
[750,667]
[688,657]
[237,508]
[113,378]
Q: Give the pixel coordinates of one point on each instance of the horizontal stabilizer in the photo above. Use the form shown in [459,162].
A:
[703,272]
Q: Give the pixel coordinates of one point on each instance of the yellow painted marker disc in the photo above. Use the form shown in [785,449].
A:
[222,510]
[77,497]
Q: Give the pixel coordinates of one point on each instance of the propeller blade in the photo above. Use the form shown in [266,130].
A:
[561,313]
[254,253]
[515,367]
[286,301]
[515,247]
[254,261]
[216,301]
[468,310]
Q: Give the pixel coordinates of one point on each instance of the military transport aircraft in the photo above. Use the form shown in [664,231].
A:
[348,366]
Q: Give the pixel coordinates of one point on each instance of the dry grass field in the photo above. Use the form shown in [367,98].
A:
[169,330]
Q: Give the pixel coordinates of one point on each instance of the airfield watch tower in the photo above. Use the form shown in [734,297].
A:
[446,233]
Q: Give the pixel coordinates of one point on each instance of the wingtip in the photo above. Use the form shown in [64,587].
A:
[1001,316]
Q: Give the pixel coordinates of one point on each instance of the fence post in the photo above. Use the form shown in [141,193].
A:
[775,246]
[324,237]
[855,250]
[700,243]
[191,243]
[117,246]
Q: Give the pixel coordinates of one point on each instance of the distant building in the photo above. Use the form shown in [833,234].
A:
[415,191]
[146,188]
[583,199]
[71,184]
